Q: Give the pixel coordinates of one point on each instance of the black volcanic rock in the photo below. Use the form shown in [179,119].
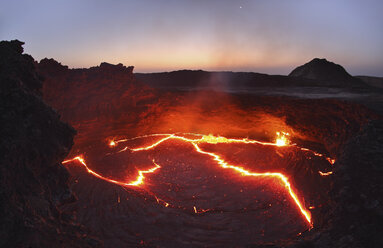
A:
[326,72]
[18,66]
[33,143]
[358,189]
[357,211]
[52,67]
[89,98]
[84,94]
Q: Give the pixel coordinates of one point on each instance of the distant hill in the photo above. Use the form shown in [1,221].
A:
[326,72]
[188,78]
[316,73]
[372,81]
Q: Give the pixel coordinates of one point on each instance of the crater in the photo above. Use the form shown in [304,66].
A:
[201,168]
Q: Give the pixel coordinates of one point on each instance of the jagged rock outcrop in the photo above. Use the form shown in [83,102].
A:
[33,143]
[329,73]
[85,94]
[89,98]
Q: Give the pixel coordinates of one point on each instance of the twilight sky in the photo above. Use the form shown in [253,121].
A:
[268,36]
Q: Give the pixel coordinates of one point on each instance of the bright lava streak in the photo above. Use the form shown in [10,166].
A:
[244,172]
[325,173]
[139,180]
[195,209]
[280,141]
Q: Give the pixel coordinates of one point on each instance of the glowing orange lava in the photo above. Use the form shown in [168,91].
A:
[281,140]
[137,182]
[244,172]
[325,173]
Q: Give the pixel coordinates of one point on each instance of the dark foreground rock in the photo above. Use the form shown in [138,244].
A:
[358,190]
[357,211]
[33,143]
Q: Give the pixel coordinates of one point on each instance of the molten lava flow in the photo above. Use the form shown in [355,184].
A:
[330,160]
[153,145]
[137,182]
[244,172]
[281,140]
[140,178]
[210,139]
[195,209]
[325,173]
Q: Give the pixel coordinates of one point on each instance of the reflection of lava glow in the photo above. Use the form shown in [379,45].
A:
[281,140]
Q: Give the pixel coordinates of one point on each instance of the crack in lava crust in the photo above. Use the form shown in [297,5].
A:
[137,182]
[210,139]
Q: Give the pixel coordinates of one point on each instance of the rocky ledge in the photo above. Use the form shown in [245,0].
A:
[33,143]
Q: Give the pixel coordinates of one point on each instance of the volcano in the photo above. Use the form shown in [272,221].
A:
[326,72]
[195,158]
